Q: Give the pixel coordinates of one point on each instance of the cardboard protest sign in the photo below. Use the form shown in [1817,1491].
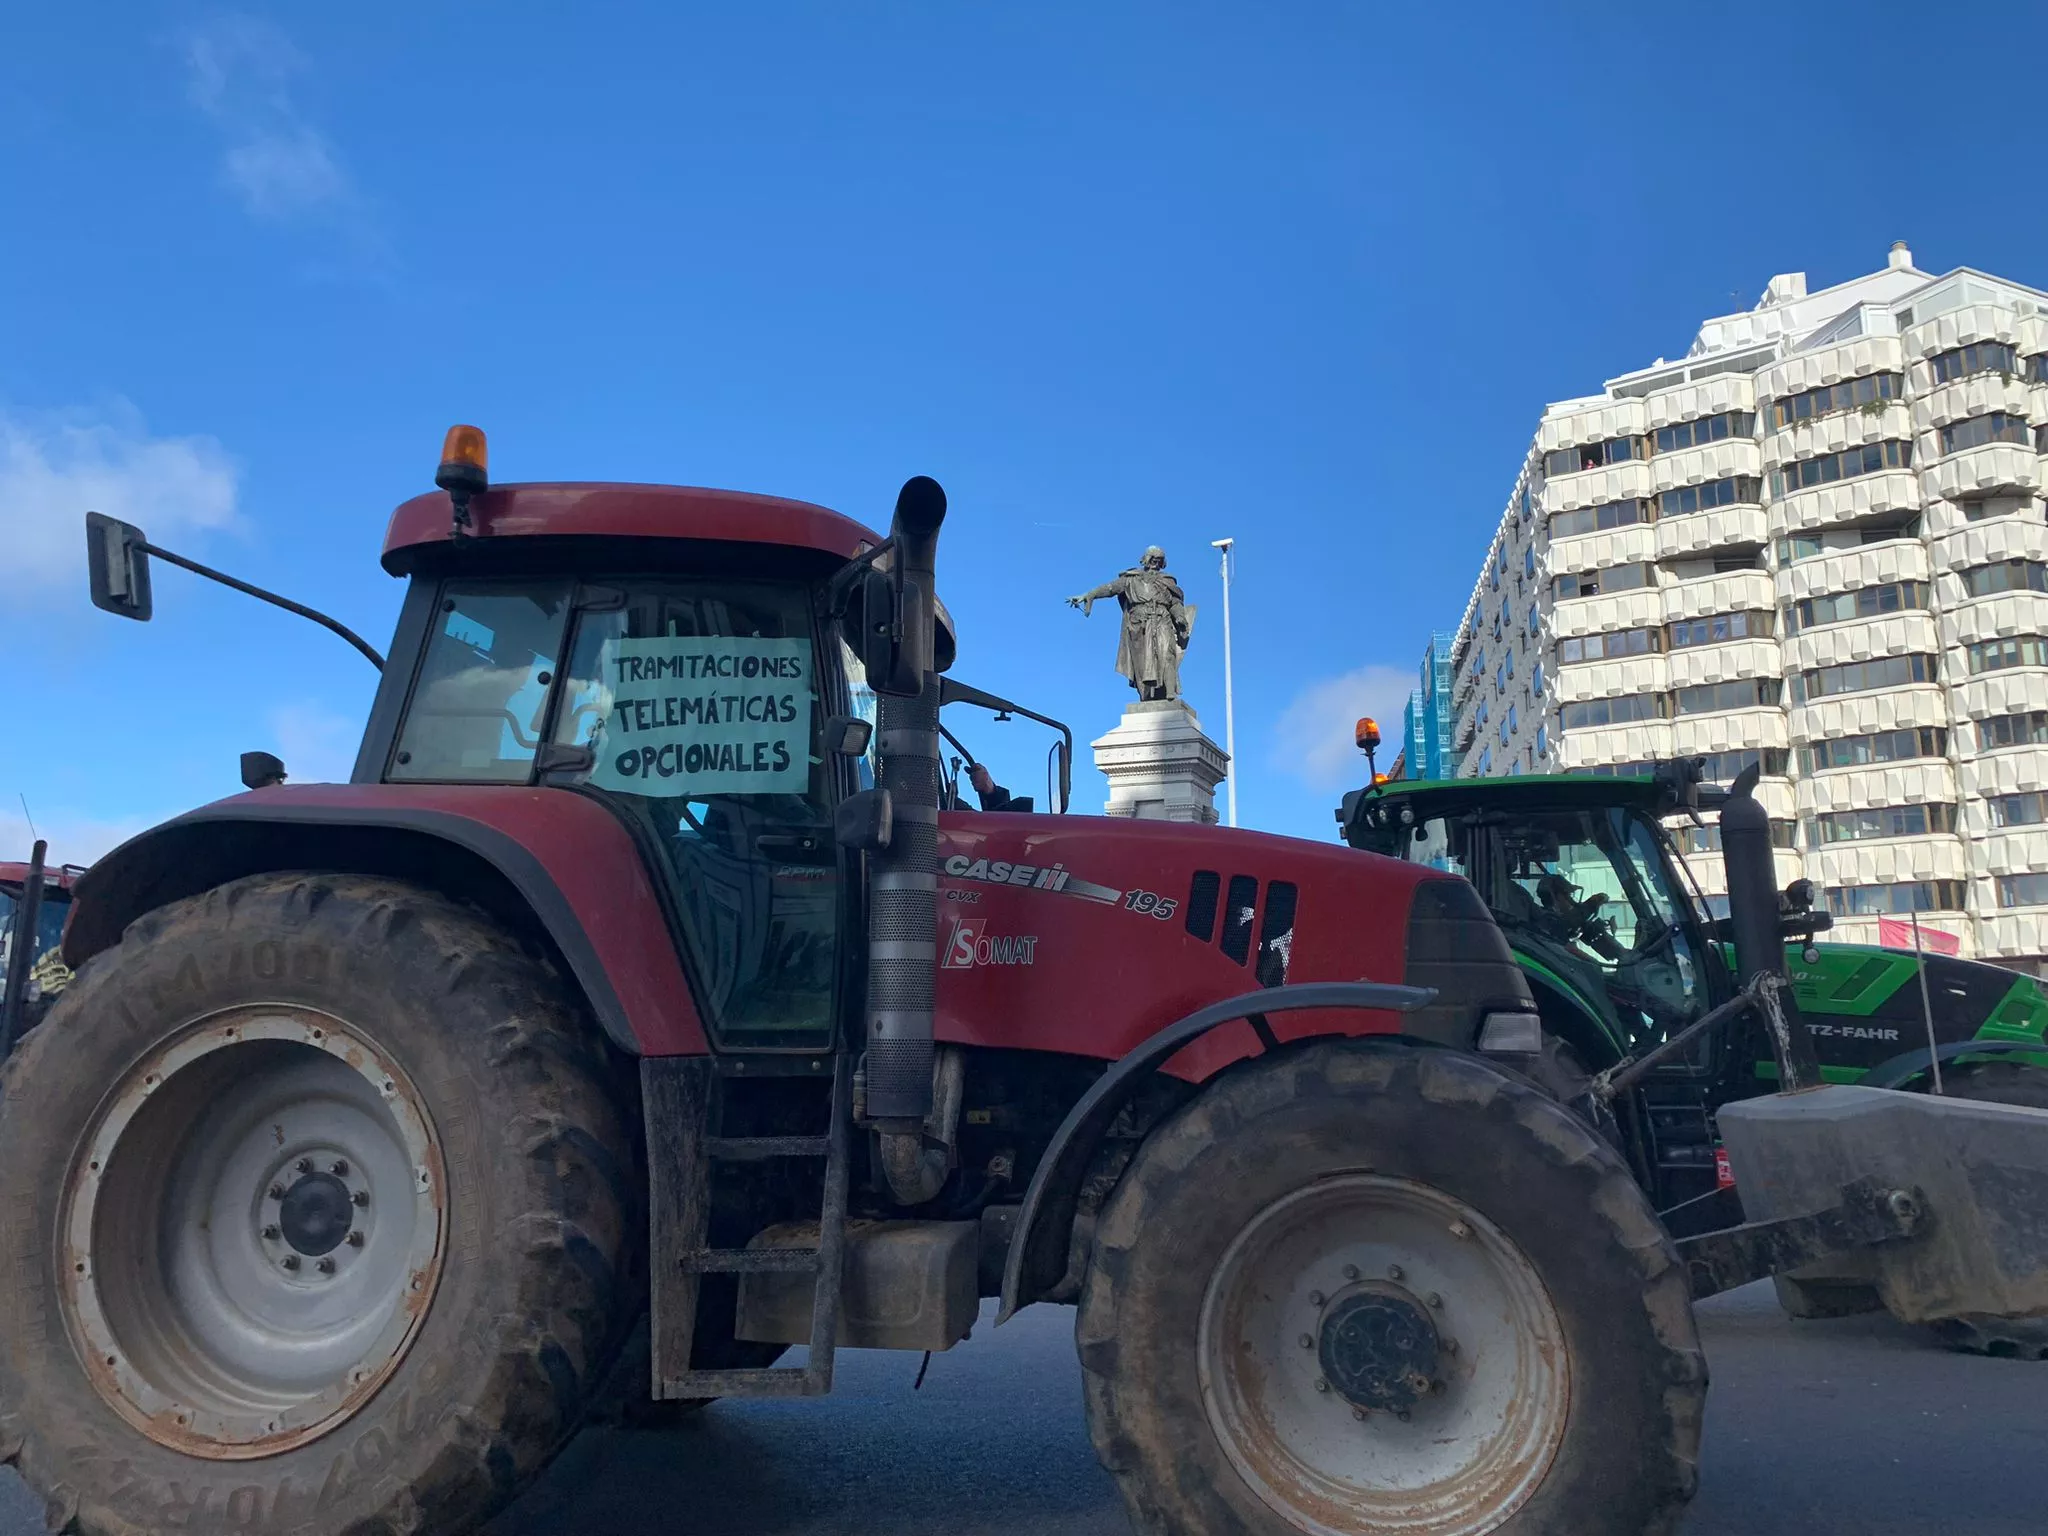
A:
[705,715]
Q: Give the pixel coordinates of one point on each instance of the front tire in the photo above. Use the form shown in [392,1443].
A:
[1499,1335]
[316,1204]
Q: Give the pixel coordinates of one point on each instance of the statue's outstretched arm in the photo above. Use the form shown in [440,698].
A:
[1086,601]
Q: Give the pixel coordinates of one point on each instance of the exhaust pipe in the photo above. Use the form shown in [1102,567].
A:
[903,887]
[1756,924]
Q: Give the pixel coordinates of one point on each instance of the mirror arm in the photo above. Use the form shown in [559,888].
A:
[341,629]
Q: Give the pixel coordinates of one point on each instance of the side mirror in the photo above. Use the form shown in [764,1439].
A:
[117,561]
[848,735]
[864,822]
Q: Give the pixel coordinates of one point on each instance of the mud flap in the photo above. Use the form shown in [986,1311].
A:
[1979,1169]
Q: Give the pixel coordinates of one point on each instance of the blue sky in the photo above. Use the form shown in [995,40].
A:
[1114,274]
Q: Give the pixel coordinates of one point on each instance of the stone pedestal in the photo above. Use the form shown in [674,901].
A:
[1159,764]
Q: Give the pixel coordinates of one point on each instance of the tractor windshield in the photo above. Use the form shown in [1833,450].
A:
[49,922]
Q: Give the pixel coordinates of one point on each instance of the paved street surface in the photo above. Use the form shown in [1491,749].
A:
[1851,1428]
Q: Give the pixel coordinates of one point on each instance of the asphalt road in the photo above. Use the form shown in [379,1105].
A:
[1849,1428]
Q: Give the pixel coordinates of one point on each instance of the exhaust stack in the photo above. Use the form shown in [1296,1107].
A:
[903,886]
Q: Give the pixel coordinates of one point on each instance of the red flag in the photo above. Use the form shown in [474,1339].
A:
[1897,933]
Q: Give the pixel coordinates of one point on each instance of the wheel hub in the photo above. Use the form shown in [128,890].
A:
[1379,1348]
[316,1214]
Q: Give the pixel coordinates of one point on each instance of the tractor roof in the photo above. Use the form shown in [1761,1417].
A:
[1440,797]
[623,511]
[55,877]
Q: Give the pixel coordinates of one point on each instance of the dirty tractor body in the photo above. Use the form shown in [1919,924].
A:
[647,1004]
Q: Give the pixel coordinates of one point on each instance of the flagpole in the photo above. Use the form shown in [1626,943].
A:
[1229,704]
[1926,1007]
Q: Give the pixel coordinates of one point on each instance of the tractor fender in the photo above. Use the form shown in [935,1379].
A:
[553,864]
[1038,1255]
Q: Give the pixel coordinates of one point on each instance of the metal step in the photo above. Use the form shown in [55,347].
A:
[750,1261]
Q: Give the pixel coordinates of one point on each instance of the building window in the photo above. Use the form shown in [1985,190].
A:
[1609,514]
[2037,368]
[1616,450]
[1606,647]
[1975,432]
[2010,651]
[1626,710]
[2028,810]
[2030,890]
[1707,839]
[1535,619]
[1708,429]
[1880,821]
[1877,747]
[1486,761]
[1719,627]
[2028,728]
[2006,576]
[1726,767]
[1738,693]
[1529,561]
[1861,677]
[1846,465]
[1978,357]
[1880,900]
[1804,546]
[1536,681]
[1542,741]
[1715,493]
[1863,603]
[1873,389]
[1616,578]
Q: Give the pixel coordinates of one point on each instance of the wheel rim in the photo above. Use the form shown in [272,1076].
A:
[253,1233]
[1378,1357]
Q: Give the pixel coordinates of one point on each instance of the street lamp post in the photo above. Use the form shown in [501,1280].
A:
[1229,705]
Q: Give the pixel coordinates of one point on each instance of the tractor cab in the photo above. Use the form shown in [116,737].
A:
[1581,875]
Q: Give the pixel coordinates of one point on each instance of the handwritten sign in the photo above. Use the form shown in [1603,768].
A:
[704,715]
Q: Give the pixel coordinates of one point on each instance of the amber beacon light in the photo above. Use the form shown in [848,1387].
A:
[464,471]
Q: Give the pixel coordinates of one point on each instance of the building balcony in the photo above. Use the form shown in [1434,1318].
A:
[2003,614]
[1576,682]
[1710,397]
[1985,471]
[1710,870]
[1637,608]
[1978,395]
[2012,691]
[1891,634]
[2011,933]
[2012,537]
[1728,592]
[1730,457]
[1838,430]
[1889,860]
[1607,547]
[2012,851]
[1629,480]
[1859,714]
[1888,492]
[1957,328]
[1867,565]
[1729,730]
[1697,664]
[1943,520]
[1921,781]
[1593,746]
[2001,771]
[1699,533]
[1593,422]
[1830,365]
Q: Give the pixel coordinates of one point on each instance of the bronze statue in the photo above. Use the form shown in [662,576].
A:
[1157,623]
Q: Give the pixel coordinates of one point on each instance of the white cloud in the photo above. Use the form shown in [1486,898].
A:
[317,745]
[283,167]
[54,468]
[1315,730]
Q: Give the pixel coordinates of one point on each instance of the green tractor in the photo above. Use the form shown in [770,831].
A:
[1623,957]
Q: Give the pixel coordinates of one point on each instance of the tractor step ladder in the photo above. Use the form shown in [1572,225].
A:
[682,1096]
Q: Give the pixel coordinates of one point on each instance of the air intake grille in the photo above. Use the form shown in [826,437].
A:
[1202,894]
[1276,934]
[1240,906]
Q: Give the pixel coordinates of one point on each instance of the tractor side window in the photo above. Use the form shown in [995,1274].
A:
[701,706]
[479,703]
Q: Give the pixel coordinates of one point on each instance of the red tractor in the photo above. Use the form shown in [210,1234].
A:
[638,975]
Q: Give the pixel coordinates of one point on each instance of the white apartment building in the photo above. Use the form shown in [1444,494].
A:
[1816,542]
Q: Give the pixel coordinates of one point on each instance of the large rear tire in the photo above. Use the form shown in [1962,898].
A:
[1364,1288]
[316,1201]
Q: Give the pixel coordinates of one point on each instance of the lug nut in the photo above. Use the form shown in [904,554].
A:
[1450,1346]
[360,1197]
[325,1266]
[1395,1272]
[270,1234]
[1460,1231]
[339,1167]
[304,1165]
[355,1239]
[1402,1415]
[1322,1385]
[1359,1414]
[1315,1298]
[290,1261]
[1435,1301]
[1306,1342]
[277,1191]
[1350,1271]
